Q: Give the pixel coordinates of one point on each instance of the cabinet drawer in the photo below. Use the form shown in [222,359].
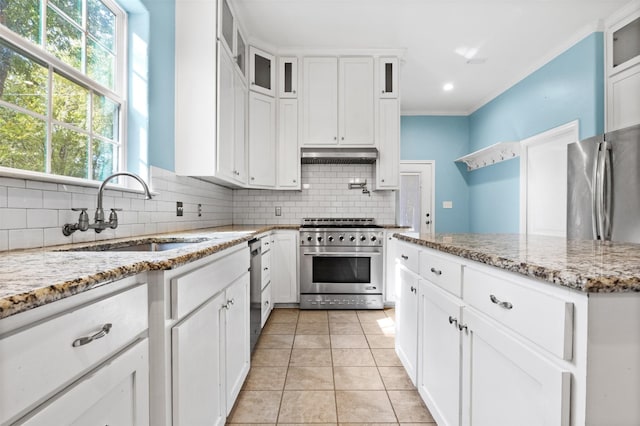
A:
[265,243]
[266,268]
[441,271]
[190,290]
[408,256]
[40,360]
[541,318]
[266,304]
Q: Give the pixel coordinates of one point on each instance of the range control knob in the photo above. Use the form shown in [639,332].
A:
[330,239]
[352,238]
[363,238]
[309,238]
[341,238]
[319,239]
[373,238]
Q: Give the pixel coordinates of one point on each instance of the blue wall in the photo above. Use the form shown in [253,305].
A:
[161,86]
[442,139]
[569,87]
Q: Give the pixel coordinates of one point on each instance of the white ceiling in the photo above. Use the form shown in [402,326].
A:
[515,36]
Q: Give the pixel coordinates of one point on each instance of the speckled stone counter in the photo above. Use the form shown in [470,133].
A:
[588,266]
[32,278]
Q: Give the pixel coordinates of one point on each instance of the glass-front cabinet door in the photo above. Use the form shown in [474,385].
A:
[288,77]
[261,71]
[241,53]
[226,25]
[388,77]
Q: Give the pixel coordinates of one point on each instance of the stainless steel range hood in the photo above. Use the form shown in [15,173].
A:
[339,155]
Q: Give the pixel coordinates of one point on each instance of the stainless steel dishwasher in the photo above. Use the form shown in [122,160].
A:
[255,291]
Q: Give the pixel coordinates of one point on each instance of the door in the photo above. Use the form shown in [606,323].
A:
[115,394]
[407,322]
[415,199]
[543,183]
[320,101]
[284,276]
[237,340]
[439,358]
[288,154]
[197,364]
[505,382]
[356,106]
[262,140]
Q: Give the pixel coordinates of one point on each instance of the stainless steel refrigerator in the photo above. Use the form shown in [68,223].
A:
[604,187]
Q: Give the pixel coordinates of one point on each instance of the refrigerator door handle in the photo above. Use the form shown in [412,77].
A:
[595,194]
[599,192]
[606,191]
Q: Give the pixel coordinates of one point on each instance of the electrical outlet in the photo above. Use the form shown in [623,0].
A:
[278,211]
[179,208]
[199,210]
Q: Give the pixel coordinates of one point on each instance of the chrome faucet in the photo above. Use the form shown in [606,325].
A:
[83,221]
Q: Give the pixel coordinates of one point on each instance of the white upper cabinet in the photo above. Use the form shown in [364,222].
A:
[388,77]
[288,77]
[241,54]
[388,164]
[227,25]
[623,71]
[262,141]
[338,101]
[288,153]
[262,73]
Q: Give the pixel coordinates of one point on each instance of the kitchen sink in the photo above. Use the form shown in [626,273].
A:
[148,245]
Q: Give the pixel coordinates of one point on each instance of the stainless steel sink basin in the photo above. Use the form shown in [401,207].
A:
[149,245]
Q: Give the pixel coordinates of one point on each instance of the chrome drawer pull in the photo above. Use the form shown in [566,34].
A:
[436,271]
[88,339]
[500,303]
[404,257]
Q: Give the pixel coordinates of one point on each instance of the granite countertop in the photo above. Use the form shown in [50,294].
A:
[588,266]
[32,278]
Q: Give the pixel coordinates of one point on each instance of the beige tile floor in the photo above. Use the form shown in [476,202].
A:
[328,367]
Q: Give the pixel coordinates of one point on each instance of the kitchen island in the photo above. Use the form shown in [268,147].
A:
[508,329]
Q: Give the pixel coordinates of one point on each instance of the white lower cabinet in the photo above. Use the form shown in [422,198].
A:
[200,339]
[440,352]
[407,322]
[284,266]
[505,382]
[81,360]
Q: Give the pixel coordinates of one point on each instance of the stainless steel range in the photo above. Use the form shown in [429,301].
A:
[341,264]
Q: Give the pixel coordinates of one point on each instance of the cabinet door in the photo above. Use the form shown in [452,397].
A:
[439,361]
[388,77]
[284,270]
[320,101]
[356,102]
[226,26]
[226,111]
[262,140]
[239,134]
[237,329]
[506,382]
[288,77]
[407,322]
[197,366]
[115,394]
[388,164]
[390,266]
[241,54]
[623,99]
[261,71]
[288,153]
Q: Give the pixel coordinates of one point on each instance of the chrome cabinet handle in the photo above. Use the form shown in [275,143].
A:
[88,339]
[404,257]
[462,327]
[266,269]
[436,271]
[506,305]
[414,290]
[266,303]
[453,321]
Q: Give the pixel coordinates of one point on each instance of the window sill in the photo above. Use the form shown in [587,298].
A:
[66,180]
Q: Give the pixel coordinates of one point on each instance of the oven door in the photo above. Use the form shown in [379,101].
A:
[355,270]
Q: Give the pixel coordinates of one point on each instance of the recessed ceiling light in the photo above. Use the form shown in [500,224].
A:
[447,87]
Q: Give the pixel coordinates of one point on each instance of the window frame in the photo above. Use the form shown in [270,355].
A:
[56,66]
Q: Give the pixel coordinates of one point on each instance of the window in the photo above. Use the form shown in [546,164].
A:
[61,86]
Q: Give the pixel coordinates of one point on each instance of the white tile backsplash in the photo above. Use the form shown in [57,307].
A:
[326,194]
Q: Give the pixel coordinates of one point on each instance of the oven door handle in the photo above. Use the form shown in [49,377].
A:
[341,254]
